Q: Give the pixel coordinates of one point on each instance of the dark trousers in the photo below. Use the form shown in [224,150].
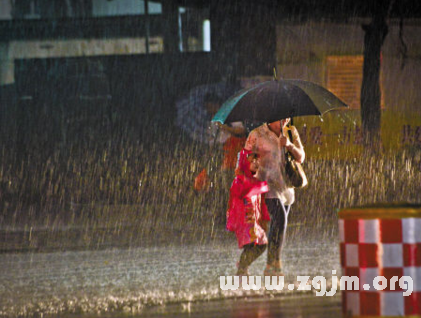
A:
[278,225]
[250,253]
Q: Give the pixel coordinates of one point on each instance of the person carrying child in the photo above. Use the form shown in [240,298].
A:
[247,214]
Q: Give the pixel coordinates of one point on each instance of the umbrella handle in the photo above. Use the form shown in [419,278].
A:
[275,77]
[289,130]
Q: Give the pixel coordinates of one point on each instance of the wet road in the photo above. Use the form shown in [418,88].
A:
[278,307]
[177,281]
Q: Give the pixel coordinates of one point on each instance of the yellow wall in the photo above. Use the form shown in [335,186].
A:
[303,52]
[338,133]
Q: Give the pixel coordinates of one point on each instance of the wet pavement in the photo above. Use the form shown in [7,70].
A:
[263,307]
[175,280]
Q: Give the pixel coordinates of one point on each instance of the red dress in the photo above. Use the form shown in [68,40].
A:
[247,208]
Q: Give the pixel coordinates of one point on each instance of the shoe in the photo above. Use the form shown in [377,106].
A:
[272,271]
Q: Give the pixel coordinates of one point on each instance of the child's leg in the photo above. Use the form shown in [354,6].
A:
[250,253]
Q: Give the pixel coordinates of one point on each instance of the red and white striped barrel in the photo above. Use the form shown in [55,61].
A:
[381,241]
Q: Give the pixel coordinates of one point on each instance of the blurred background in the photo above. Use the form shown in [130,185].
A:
[90,93]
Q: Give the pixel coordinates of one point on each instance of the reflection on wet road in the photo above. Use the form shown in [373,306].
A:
[308,306]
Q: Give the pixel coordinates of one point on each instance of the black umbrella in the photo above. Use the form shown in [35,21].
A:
[274,100]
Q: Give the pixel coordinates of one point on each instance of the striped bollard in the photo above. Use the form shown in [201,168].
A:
[378,244]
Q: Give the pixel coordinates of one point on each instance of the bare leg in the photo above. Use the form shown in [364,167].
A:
[250,253]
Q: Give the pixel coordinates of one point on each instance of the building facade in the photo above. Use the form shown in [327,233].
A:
[136,56]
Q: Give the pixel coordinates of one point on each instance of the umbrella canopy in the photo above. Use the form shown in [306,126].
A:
[274,100]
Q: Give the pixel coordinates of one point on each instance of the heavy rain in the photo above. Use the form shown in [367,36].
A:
[103,134]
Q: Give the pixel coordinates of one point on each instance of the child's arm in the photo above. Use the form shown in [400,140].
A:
[256,188]
[241,187]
